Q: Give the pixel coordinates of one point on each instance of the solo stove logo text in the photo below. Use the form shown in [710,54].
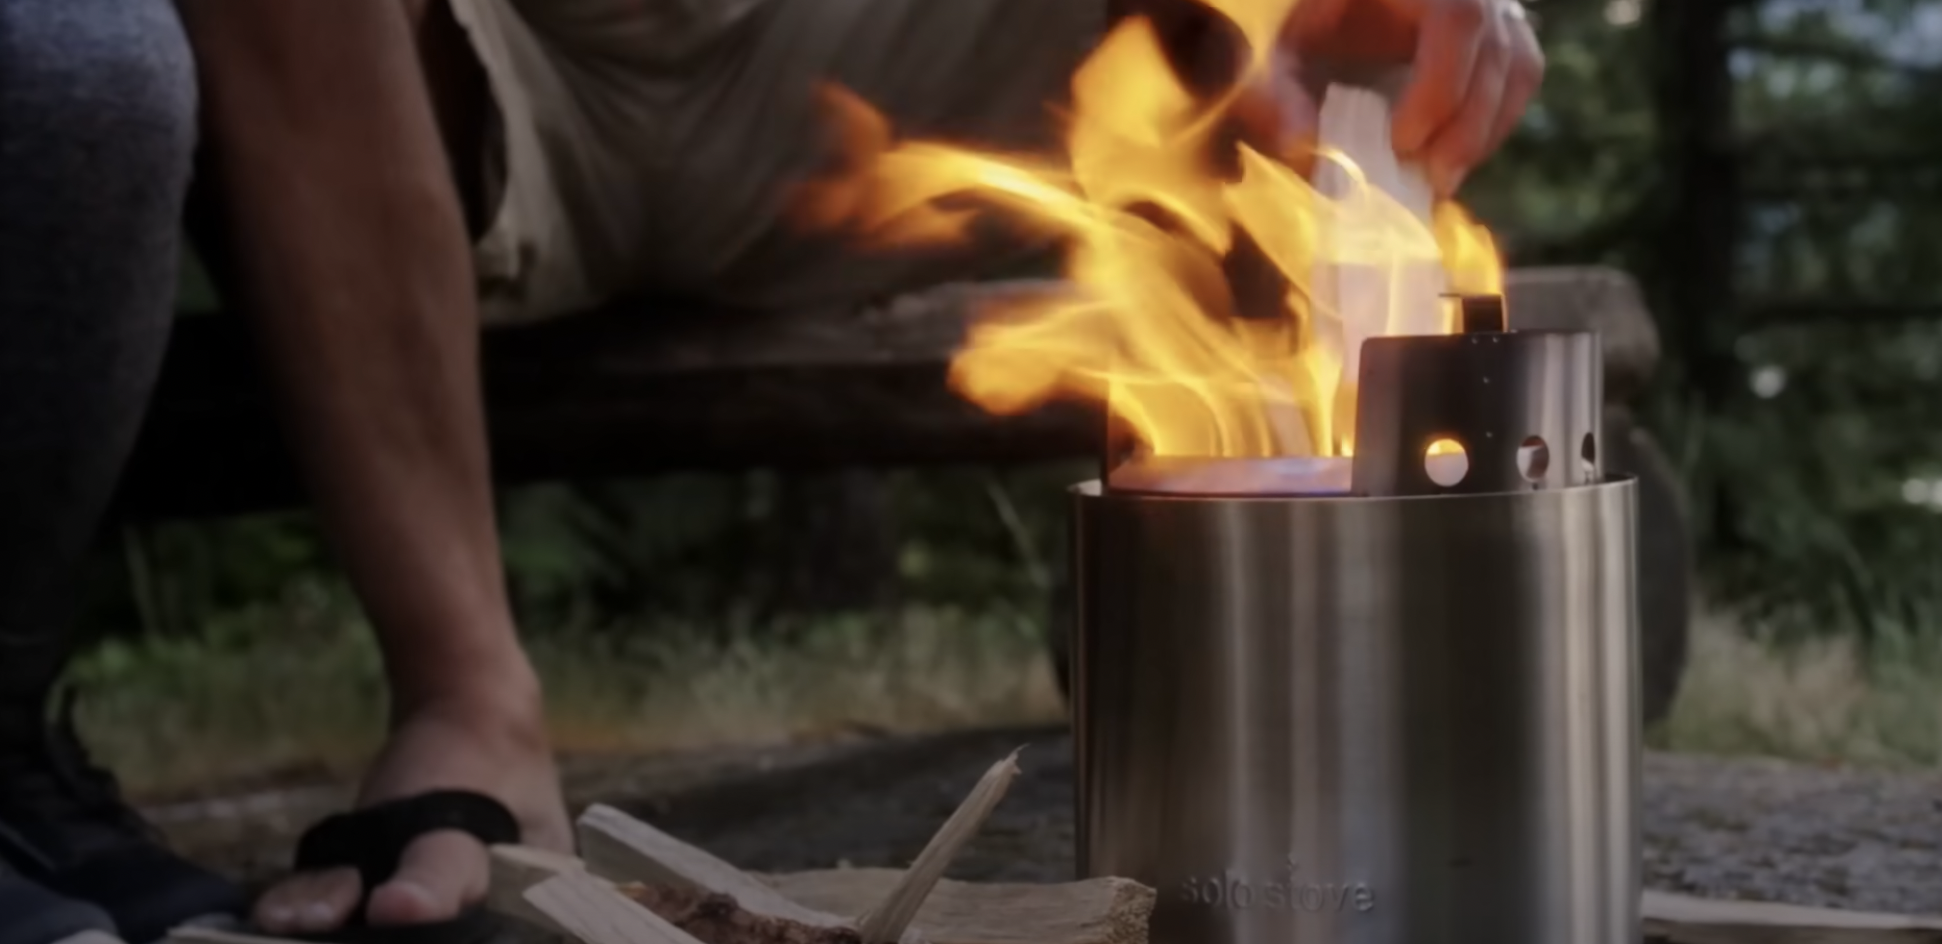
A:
[1235,891]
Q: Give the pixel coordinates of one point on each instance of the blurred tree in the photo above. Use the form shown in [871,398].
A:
[1772,170]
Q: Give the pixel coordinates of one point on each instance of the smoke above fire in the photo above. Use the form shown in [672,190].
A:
[1156,325]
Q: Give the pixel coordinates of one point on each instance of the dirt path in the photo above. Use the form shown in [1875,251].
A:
[1724,828]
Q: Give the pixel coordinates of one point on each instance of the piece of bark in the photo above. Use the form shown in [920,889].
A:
[596,913]
[715,918]
[1094,911]
[624,849]
[890,918]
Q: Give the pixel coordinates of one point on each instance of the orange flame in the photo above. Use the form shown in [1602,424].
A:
[1152,327]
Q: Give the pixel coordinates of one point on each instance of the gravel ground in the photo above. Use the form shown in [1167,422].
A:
[1861,840]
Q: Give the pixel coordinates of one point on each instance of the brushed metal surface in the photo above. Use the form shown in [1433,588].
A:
[1491,392]
[1362,721]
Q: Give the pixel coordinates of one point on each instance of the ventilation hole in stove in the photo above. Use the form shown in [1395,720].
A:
[1533,459]
[1446,462]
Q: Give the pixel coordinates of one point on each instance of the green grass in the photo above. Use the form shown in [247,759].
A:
[295,690]
[1827,700]
[254,703]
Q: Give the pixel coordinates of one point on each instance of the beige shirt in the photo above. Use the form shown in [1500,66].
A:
[650,145]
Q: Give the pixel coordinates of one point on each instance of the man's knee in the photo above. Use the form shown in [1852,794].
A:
[97,102]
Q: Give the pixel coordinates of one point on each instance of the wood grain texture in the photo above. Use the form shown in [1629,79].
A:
[595,913]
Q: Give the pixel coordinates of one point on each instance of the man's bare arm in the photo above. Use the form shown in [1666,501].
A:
[349,235]
[350,243]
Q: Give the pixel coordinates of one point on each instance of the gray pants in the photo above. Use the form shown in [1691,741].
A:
[97,133]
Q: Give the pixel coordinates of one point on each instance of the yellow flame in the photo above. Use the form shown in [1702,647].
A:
[1152,327]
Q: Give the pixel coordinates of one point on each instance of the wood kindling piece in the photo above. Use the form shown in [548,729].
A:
[888,921]
[517,869]
[705,916]
[720,904]
[621,848]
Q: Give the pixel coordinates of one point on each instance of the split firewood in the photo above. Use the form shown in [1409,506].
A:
[621,848]
[624,849]
[891,917]
[594,912]
[715,903]
[709,917]
[1094,911]
[517,869]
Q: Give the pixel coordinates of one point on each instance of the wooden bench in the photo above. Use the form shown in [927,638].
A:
[635,390]
[640,389]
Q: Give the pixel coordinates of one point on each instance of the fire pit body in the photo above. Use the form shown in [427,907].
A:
[1386,700]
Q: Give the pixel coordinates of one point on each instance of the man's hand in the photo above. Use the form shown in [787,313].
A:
[493,741]
[1475,66]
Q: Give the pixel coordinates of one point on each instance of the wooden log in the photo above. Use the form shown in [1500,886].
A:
[714,918]
[1094,911]
[638,389]
[1682,919]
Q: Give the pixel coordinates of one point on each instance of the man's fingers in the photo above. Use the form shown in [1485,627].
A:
[439,875]
[1526,76]
[1278,116]
[308,902]
[1448,43]
[1463,141]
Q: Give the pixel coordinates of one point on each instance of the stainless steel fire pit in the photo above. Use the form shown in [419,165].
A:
[1342,702]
